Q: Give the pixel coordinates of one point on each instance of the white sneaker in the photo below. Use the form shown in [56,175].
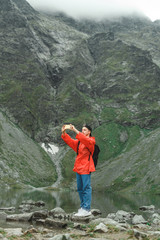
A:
[79,212]
[83,213]
[80,209]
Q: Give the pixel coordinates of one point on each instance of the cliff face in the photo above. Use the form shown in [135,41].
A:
[55,69]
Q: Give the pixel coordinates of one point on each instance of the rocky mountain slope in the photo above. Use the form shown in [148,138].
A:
[136,170]
[23,161]
[55,69]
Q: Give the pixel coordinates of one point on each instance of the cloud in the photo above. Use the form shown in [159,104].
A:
[88,8]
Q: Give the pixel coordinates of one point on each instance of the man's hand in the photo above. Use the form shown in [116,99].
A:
[72,127]
[63,130]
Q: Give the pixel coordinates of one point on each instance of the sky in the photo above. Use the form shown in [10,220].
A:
[100,8]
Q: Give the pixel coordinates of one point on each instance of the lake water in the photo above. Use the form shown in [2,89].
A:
[69,200]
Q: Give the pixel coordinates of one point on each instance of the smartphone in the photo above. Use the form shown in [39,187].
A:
[67,126]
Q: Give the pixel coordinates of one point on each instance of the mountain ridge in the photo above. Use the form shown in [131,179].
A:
[57,70]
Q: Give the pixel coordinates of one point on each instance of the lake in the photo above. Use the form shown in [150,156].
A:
[69,200]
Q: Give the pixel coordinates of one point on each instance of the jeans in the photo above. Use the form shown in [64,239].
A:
[84,189]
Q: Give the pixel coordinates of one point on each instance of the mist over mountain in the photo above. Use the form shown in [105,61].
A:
[91,9]
[56,69]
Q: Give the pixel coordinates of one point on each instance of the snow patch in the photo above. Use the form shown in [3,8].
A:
[50,148]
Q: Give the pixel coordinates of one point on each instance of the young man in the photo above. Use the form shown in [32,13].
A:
[83,165]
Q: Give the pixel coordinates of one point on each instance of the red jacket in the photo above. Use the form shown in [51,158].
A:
[84,162]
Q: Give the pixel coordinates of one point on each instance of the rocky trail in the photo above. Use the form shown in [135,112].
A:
[34,222]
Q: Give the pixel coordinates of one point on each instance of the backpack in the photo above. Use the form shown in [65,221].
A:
[95,153]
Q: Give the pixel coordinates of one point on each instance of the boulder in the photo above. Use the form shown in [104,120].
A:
[9,209]
[40,214]
[56,211]
[13,231]
[104,220]
[24,217]
[102,228]
[54,223]
[155,219]
[140,235]
[138,219]
[147,208]
[61,237]
[121,216]
[96,212]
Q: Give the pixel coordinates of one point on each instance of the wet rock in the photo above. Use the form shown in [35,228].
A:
[102,228]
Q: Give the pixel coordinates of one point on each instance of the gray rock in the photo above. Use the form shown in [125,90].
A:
[9,209]
[25,208]
[57,211]
[102,228]
[154,233]
[82,219]
[20,217]
[14,231]
[55,223]
[3,215]
[39,203]
[1,236]
[122,216]
[61,237]
[104,220]
[40,214]
[147,208]
[138,219]
[96,212]
[155,218]
[28,202]
[139,234]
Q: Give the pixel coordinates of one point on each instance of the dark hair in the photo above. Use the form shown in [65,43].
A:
[88,127]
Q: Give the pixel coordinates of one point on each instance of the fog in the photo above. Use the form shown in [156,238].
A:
[88,8]
[98,9]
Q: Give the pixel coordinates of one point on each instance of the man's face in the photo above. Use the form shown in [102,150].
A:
[86,132]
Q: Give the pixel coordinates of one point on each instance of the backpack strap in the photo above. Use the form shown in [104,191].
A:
[78,147]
